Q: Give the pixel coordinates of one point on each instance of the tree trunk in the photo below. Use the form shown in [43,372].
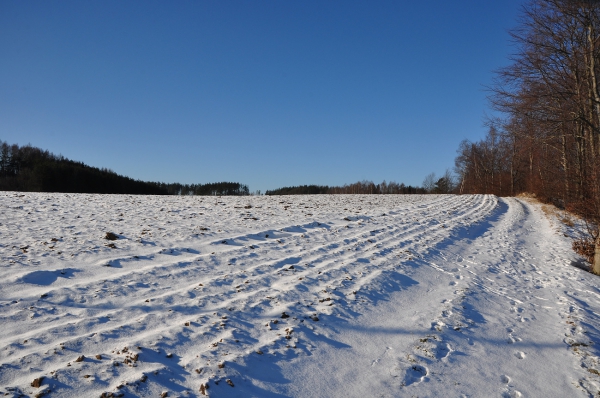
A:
[565,166]
[596,96]
[596,264]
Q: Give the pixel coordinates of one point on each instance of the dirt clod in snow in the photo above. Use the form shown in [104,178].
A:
[37,382]
[111,236]
[203,388]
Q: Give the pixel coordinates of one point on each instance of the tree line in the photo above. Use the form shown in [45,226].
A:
[442,185]
[214,189]
[361,187]
[31,169]
[547,141]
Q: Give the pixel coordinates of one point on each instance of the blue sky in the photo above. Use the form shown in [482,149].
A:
[268,93]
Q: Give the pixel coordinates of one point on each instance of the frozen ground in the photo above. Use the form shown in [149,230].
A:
[321,296]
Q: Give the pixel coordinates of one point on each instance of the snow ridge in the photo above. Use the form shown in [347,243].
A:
[256,296]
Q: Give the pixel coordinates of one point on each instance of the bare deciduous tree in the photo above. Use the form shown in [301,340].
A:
[549,141]
[429,182]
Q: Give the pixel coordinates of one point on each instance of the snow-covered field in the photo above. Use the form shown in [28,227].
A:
[320,296]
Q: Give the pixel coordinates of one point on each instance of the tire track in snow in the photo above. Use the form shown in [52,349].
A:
[181,266]
[132,323]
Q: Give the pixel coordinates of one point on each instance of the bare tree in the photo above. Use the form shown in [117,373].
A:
[549,141]
[429,183]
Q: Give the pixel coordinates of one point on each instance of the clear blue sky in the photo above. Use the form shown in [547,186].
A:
[268,93]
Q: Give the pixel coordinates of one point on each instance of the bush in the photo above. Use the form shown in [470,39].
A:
[586,248]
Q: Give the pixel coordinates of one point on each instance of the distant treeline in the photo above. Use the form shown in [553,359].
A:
[361,187]
[217,188]
[30,169]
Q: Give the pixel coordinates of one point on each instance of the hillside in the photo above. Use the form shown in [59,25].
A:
[325,295]
[31,169]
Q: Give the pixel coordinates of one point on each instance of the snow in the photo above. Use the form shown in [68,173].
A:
[344,295]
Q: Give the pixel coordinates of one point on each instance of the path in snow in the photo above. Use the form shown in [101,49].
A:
[345,295]
[500,311]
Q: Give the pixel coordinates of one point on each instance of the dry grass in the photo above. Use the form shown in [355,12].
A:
[551,211]
[563,216]
[568,221]
[528,195]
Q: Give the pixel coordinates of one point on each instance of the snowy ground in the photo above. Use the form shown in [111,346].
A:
[321,296]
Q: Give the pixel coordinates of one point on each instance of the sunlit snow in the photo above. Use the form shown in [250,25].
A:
[320,296]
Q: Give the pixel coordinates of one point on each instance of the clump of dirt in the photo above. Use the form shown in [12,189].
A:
[37,382]
[111,236]
[203,388]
